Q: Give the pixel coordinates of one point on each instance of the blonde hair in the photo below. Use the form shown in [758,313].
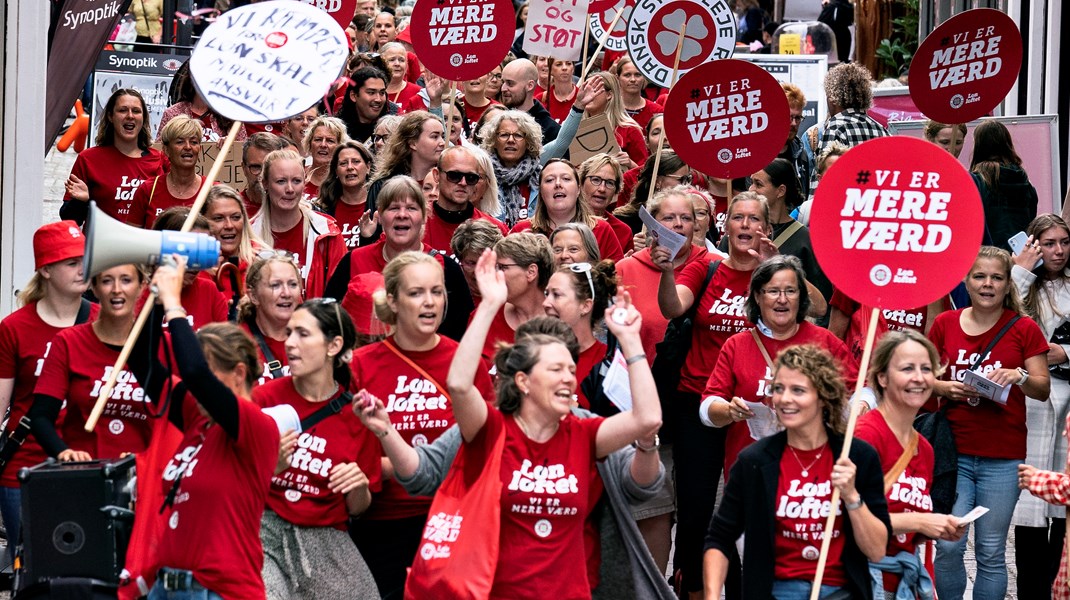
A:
[254,275]
[333,124]
[392,282]
[246,252]
[181,127]
[261,223]
[823,371]
[540,221]
[490,202]
[1011,300]
[618,117]
[35,289]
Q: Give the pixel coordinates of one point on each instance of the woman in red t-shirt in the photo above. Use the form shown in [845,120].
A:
[559,202]
[902,373]
[50,302]
[408,372]
[632,84]
[238,245]
[322,137]
[120,160]
[217,483]
[287,222]
[327,473]
[78,363]
[272,294]
[561,93]
[344,193]
[548,462]
[398,89]
[628,133]
[572,295]
[780,491]
[600,177]
[179,187]
[205,303]
[990,435]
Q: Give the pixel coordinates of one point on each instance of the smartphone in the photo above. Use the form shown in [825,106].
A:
[1017,243]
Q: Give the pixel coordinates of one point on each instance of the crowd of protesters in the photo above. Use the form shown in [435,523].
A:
[414,289]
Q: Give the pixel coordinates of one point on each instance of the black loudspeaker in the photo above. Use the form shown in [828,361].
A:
[75,520]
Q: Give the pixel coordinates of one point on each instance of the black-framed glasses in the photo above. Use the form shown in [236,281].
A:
[507,136]
[585,268]
[457,176]
[680,179]
[376,138]
[597,181]
[505,266]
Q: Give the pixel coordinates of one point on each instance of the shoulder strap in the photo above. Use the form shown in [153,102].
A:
[787,233]
[995,341]
[333,407]
[710,270]
[390,345]
[900,465]
[765,353]
[83,312]
[273,364]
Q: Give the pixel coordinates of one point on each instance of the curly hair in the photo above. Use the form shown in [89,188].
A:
[796,98]
[333,124]
[848,86]
[525,123]
[823,371]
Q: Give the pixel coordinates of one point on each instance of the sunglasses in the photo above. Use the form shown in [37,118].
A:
[328,301]
[584,268]
[279,254]
[457,176]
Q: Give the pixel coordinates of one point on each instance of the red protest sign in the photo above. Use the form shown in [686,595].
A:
[966,67]
[896,224]
[463,39]
[728,118]
[601,18]
[654,32]
[340,10]
[555,28]
[598,6]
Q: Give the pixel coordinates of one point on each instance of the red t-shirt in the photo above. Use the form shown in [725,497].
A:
[546,498]
[898,320]
[989,429]
[203,301]
[25,343]
[420,409]
[721,314]
[741,371]
[370,259]
[631,140]
[474,113]
[75,370]
[622,231]
[643,115]
[802,506]
[348,218]
[312,191]
[214,526]
[558,109]
[293,241]
[278,351]
[251,208]
[300,494]
[910,493]
[152,198]
[588,359]
[608,246]
[404,97]
[112,177]
[500,331]
[438,232]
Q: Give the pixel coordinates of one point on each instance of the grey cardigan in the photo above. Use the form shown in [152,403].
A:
[637,577]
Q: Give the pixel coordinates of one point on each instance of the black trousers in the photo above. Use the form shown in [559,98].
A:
[389,548]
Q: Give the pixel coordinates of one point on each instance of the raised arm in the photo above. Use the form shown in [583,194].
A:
[673,300]
[624,322]
[469,407]
[559,146]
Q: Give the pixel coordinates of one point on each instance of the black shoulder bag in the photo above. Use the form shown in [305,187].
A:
[273,364]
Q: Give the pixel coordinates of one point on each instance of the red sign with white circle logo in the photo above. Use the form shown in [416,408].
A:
[896,223]
[601,19]
[654,33]
[340,10]
[463,39]
[966,67]
[728,118]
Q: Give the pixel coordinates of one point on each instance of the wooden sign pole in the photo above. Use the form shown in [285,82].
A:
[605,38]
[661,140]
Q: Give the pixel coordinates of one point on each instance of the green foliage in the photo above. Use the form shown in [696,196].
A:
[896,52]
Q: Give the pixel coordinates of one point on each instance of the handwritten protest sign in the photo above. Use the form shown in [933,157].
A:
[463,39]
[896,225]
[600,21]
[268,61]
[555,28]
[340,10]
[727,118]
[654,32]
[966,67]
[230,173]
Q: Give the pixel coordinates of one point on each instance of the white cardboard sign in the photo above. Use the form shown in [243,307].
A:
[555,28]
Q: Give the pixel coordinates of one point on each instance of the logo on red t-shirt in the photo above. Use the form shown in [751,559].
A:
[729,304]
[126,387]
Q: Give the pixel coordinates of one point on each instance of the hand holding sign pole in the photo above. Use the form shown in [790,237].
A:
[885,210]
[661,139]
[251,65]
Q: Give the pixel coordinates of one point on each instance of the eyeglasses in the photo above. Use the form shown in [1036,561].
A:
[457,176]
[680,179]
[376,138]
[597,181]
[584,268]
[504,266]
[505,137]
[797,118]
[495,77]
[774,293]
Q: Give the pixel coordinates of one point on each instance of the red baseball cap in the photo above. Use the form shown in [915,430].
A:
[404,36]
[57,241]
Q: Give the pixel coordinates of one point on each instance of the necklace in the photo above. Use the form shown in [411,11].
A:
[806,469]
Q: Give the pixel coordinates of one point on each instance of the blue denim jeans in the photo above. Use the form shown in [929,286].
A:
[797,589]
[992,483]
[11,512]
[159,593]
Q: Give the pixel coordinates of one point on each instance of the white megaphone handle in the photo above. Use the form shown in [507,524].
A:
[150,300]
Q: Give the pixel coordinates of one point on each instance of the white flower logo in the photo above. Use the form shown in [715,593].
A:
[695,31]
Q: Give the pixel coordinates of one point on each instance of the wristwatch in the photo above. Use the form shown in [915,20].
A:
[654,448]
[1024,374]
[853,505]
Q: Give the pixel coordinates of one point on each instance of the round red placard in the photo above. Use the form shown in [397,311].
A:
[462,39]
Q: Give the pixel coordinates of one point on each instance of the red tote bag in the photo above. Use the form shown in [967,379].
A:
[458,552]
